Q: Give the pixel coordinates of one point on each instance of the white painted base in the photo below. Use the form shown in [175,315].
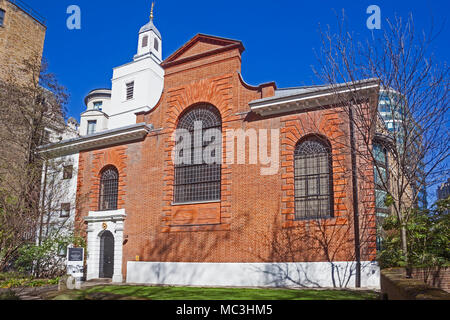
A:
[300,274]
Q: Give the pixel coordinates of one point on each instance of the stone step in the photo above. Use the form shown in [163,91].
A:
[100,280]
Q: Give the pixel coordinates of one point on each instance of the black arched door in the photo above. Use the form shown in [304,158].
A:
[106,255]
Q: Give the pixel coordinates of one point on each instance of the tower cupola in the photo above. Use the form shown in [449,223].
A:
[150,41]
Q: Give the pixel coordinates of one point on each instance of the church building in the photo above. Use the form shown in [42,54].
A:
[276,209]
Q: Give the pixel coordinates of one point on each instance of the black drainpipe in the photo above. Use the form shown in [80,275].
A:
[355,201]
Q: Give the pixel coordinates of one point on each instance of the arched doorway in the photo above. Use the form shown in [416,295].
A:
[106,266]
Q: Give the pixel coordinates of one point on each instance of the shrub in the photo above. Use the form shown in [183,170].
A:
[428,234]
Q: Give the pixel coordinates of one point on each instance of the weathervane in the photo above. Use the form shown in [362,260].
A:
[151,12]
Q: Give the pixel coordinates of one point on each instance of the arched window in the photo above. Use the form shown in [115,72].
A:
[313,179]
[198,168]
[109,185]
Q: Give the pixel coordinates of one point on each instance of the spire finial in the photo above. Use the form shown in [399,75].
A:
[151,12]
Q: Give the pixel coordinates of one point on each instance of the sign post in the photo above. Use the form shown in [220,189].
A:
[75,263]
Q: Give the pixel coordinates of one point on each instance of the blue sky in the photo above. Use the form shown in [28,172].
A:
[279,36]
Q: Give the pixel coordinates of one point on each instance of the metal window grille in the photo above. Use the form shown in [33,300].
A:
[313,180]
[130,90]
[109,185]
[199,181]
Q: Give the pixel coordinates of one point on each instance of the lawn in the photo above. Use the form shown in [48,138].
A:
[187,293]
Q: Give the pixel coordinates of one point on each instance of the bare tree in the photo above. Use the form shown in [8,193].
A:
[28,109]
[412,123]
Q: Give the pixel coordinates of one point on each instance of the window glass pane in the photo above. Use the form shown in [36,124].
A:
[311,165]
[378,153]
[380,197]
[2,17]
[92,124]
[380,175]
[67,172]
[300,187]
[313,187]
[324,185]
[144,41]
[98,105]
[65,210]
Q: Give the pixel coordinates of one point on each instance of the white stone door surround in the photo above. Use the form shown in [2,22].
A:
[97,222]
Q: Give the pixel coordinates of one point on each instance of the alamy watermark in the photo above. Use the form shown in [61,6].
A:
[73,22]
[204,146]
[374,20]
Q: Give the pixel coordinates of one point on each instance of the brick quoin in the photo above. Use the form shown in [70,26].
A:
[254,221]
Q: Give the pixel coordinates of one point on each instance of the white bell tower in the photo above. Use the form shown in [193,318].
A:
[150,42]
[137,85]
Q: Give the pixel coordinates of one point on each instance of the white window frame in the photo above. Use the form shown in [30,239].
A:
[95,126]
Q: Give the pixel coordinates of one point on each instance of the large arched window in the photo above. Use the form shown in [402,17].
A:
[313,179]
[198,173]
[109,185]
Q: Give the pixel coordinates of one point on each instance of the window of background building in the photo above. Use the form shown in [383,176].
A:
[156,45]
[98,105]
[2,17]
[92,124]
[381,178]
[65,210]
[130,90]
[67,172]
[313,179]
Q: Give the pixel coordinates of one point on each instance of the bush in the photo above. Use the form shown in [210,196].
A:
[428,234]
[44,260]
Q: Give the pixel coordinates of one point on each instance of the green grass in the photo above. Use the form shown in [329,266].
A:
[184,293]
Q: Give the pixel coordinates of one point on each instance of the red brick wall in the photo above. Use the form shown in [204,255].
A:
[253,222]
[435,277]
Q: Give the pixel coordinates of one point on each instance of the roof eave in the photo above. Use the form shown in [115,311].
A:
[319,97]
[98,140]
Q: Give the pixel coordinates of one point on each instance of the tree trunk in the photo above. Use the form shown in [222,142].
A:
[405,251]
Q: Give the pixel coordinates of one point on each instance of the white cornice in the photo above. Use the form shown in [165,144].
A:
[97,140]
[104,216]
[319,97]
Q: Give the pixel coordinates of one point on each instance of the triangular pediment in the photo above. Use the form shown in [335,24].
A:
[202,45]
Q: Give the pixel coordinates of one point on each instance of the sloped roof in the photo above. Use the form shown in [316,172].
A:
[202,45]
[150,26]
